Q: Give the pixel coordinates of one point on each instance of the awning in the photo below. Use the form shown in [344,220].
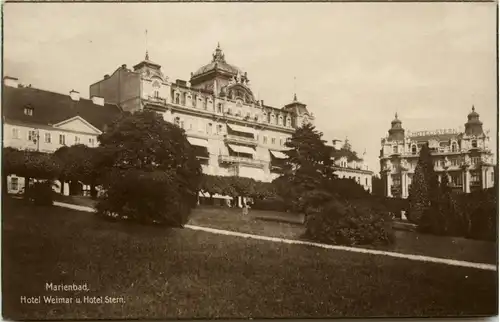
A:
[215,196]
[198,142]
[243,129]
[278,154]
[241,149]
[203,194]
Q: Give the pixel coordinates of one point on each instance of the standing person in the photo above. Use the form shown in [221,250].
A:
[245,208]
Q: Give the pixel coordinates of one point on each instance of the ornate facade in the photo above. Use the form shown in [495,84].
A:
[348,165]
[235,133]
[465,157]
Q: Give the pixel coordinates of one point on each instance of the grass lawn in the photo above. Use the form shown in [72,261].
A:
[180,273]
[406,242]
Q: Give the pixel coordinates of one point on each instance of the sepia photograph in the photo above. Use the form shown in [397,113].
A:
[249,160]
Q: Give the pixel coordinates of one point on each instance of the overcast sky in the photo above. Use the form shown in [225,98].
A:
[355,64]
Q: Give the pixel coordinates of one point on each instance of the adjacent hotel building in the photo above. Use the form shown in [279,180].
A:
[464,156]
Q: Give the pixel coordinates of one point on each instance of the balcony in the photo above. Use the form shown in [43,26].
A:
[229,138]
[241,160]
[156,100]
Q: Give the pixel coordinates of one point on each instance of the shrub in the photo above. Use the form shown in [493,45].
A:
[41,193]
[343,223]
[471,215]
[155,197]
[480,214]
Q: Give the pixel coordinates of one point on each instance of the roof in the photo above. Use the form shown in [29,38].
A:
[218,63]
[339,153]
[222,66]
[51,108]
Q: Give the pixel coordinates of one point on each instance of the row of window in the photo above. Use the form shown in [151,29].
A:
[416,149]
[34,136]
[269,118]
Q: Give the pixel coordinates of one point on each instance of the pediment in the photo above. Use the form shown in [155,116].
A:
[77,124]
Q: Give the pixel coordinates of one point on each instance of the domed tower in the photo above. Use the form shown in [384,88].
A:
[397,132]
[474,126]
[218,74]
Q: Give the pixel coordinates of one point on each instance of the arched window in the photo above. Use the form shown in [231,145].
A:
[177,98]
[272,118]
[195,100]
[413,149]
[474,143]
[156,94]
[219,108]
[219,128]
[395,149]
[288,122]
[265,116]
[454,147]
[177,121]
[280,120]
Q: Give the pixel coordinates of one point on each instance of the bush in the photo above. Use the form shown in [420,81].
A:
[344,223]
[471,215]
[41,193]
[480,214]
[156,197]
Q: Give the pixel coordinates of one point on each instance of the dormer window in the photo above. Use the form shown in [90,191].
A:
[28,110]
[413,149]
[395,149]
[474,143]
[454,147]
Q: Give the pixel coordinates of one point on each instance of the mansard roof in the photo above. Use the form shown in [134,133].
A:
[50,108]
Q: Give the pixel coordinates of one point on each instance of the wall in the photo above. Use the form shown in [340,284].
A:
[123,86]
[22,141]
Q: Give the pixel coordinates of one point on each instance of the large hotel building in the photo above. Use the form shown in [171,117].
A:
[464,156]
[235,133]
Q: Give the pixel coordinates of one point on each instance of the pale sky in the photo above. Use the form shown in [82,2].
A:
[355,64]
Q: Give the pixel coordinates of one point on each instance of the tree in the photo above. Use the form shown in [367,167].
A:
[79,163]
[377,186]
[144,148]
[424,187]
[30,165]
[308,169]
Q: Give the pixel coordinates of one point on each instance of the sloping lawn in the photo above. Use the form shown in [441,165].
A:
[180,273]
[406,242]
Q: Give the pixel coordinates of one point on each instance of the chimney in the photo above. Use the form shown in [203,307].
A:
[75,96]
[11,81]
[337,144]
[106,76]
[124,66]
[262,102]
[98,100]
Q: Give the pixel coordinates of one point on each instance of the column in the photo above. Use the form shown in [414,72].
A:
[388,184]
[466,181]
[404,184]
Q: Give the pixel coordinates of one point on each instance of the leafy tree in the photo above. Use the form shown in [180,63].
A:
[30,165]
[140,147]
[79,163]
[424,187]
